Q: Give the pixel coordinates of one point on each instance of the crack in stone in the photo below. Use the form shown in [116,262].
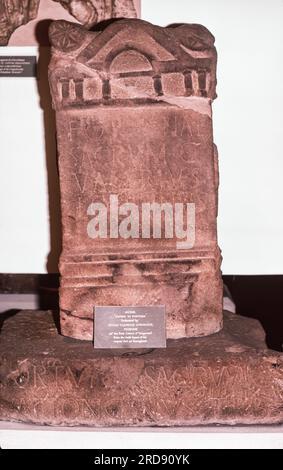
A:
[70,314]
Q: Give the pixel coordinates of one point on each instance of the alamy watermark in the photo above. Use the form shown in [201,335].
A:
[145,220]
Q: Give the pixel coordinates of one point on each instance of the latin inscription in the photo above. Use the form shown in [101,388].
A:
[187,391]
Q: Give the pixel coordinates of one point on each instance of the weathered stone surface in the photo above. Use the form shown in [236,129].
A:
[133,110]
[227,378]
[90,12]
[15,13]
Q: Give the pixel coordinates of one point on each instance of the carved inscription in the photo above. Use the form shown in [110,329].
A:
[166,149]
[188,391]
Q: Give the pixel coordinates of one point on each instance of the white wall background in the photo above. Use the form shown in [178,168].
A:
[24,230]
[248,121]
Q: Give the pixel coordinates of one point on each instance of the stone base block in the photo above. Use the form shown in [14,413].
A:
[226,378]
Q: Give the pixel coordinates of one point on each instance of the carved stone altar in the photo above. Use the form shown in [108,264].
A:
[133,110]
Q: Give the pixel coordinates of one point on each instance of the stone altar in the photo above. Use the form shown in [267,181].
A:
[133,112]
[133,108]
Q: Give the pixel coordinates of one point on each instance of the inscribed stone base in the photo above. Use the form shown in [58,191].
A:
[226,378]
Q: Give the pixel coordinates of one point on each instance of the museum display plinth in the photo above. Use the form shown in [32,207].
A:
[227,378]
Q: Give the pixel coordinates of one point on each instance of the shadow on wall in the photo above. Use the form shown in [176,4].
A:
[50,147]
[260,297]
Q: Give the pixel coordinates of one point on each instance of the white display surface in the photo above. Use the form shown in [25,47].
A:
[20,436]
[248,117]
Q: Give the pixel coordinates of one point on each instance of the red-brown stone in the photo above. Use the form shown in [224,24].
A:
[226,378]
[90,12]
[133,110]
[15,13]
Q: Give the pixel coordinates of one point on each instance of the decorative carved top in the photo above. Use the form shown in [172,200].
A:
[131,60]
[14,13]
[90,12]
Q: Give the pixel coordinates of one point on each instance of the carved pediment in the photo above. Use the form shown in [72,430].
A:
[125,34]
[132,59]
